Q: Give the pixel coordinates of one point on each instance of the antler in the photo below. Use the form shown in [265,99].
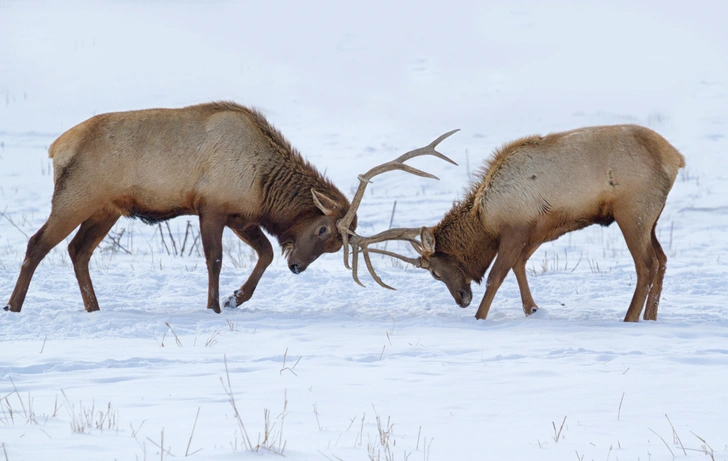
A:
[361,243]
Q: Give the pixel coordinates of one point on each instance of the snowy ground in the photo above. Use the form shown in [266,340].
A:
[350,373]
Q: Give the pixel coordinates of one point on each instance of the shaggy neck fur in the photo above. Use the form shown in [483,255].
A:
[286,187]
[461,236]
[463,233]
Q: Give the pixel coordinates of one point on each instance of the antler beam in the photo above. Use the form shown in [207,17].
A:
[360,243]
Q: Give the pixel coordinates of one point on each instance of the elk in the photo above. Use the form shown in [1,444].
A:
[537,188]
[220,161]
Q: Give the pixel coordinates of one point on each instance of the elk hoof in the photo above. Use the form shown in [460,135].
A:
[231,302]
[539,313]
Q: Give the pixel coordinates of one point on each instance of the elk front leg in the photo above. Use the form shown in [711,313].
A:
[254,237]
[519,269]
[510,247]
[211,227]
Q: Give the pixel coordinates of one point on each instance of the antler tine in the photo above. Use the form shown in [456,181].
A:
[408,234]
[344,223]
[376,278]
[429,149]
[355,265]
[396,164]
[370,266]
[345,242]
[414,261]
[363,243]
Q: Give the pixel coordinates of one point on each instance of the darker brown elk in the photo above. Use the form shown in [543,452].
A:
[538,188]
[220,161]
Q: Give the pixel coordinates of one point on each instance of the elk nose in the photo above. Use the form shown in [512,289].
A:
[466,298]
[295,268]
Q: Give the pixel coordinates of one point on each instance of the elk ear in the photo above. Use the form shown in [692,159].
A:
[428,241]
[327,205]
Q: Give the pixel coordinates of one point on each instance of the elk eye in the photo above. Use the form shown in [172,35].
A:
[435,275]
[322,231]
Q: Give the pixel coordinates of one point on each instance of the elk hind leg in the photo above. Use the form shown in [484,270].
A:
[88,237]
[653,298]
[254,237]
[55,229]
[645,259]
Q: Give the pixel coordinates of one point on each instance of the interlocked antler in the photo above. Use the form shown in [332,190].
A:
[360,243]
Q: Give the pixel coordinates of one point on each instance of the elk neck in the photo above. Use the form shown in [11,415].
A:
[286,193]
[462,236]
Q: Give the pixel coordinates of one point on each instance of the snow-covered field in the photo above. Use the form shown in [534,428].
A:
[347,373]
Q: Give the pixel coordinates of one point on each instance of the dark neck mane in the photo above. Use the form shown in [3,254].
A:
[461,235]
[286,187]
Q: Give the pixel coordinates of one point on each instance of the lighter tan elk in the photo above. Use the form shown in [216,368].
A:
[538,188]
[220,161]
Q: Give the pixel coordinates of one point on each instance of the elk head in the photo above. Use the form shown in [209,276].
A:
[445,268]
[361,244]
[312,237]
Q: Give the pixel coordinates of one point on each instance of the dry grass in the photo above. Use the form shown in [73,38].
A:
[25,413]
[189,443]
[686,175]
[619,410]
[284,367]
[176,338]
[212,340]
[384,443]
[10,220]
[383,446]
[704,448]
[162,450]
[553,261]
[595,269]
[271,439]
[557,434]
[663,441]
[87,418]
[315,412]
[231,398]
[237,252]
[676,438]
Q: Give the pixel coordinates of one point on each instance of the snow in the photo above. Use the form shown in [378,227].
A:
[351,86]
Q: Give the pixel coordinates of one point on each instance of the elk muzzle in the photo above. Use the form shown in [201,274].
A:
[463,297]
[299,263]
